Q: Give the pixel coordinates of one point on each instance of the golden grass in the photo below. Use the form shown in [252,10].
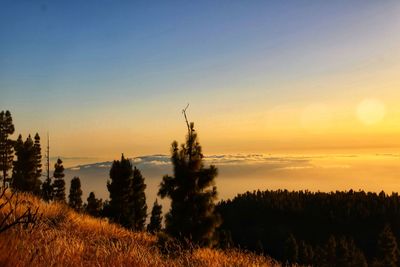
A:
[63,237]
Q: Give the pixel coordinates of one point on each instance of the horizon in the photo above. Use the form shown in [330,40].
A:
[251,172]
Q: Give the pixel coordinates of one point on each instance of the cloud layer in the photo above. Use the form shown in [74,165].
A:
[220,160]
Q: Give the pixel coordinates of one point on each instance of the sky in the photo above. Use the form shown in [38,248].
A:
[106,77]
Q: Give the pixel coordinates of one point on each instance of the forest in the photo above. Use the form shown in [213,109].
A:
[353,228]
[324,229]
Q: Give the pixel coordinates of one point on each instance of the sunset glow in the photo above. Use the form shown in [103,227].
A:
[371,111]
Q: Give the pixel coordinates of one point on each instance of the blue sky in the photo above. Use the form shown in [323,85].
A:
[93,66]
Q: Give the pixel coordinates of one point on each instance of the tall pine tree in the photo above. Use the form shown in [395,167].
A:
[120,191]
[6,144]
[75,194]
[59,183]
[18,165]
[127,198]
[47,186]
[38,157]
[192,192]
[25,167]
[155,219]
[138,201]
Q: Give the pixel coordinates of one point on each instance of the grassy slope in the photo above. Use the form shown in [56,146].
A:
[63,237]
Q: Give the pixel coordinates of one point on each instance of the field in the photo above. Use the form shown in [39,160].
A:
[62,237]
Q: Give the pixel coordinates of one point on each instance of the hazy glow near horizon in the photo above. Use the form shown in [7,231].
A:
[371,111]
[270,77]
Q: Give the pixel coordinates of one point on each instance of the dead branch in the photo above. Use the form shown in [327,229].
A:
[28,218]
[184,114]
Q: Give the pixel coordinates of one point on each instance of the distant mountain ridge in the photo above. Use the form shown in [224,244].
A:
[223,159]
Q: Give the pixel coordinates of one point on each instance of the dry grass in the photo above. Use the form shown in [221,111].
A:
[63,237]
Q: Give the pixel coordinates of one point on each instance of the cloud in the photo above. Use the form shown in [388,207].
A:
[104,165]
[388,155]
[72,158]
[297,167]
[288,162]
[160,160]
[335,166]
[266,161]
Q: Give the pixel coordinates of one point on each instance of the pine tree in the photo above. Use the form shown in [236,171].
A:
[94,205]
[326,256]
[343,254]
[291,250]
[59,183]
[120,192]
[388,251]
[75,194]
[156,218]
[6,145]
[38,157]
[47,186]
[47,189]
[25,167]
[18,165]
[192,192]
[138,201]
[306,253]
[356,256]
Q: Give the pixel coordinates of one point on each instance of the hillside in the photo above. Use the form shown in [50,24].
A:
[62,237]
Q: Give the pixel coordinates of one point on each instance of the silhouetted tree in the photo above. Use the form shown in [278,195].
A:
[75,194]
[225,240]
[138,201]
[127,204]
[155,219]
[25,167]
[387,250]
[305,253]
[192,192]
[94,205]
[59,183]
[47,189]
[327,255]
[38,156]
[6,144]
[291,250]
[120,192]
[47,186]
[348,255]
[18,182]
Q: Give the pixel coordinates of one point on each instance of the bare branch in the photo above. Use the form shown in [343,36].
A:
[184,114]
[26,219]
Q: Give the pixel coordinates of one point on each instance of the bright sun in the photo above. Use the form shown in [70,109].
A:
[370,111]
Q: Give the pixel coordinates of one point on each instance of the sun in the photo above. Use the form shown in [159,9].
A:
[370,111]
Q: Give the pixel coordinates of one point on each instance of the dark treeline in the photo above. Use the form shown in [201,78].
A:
[323,229]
